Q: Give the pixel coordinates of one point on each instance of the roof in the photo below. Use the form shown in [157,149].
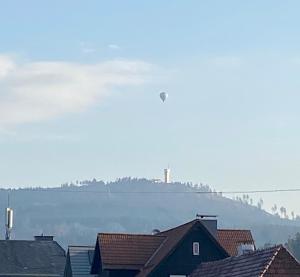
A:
[174,236]
[231,239]
[81,258]
[31,258]
[271,262]
[128,251]
[146,252]
[142,252]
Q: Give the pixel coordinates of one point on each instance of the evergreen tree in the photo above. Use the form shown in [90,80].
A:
[293,245]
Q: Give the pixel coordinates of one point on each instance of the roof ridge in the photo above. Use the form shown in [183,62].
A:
[130,234]
[278,247]
[272,259]
[25,240]
[258,251]
[234,230]
[269,248]
[80,246]
[156,251]
[192,221]
[259,261]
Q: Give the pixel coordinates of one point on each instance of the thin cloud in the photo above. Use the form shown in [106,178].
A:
[114,47]
[38,91]
[87,47]
[88,50]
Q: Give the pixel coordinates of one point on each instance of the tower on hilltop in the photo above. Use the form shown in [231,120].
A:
[167,172]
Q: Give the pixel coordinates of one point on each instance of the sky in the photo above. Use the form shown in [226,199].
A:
[80,84]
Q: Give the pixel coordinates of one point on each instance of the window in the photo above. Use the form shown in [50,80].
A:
[196,248]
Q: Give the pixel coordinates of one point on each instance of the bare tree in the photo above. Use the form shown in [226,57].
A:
[293,215]
[274,209]
[283,212]
[260,203]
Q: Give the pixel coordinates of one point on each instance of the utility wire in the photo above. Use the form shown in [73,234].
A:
[163,192]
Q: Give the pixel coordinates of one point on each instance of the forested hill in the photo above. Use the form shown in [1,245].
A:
[76,213]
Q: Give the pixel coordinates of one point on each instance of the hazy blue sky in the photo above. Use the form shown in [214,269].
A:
[79,85]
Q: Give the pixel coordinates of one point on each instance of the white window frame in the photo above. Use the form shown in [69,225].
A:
[196,248]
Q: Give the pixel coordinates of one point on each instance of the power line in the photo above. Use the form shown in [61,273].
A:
[163,192]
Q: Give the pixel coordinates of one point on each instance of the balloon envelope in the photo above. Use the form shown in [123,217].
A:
[163,96]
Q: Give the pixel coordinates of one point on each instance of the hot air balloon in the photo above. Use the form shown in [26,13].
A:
[163,96]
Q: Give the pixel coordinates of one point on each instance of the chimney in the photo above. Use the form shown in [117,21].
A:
[43,238]
[210,223]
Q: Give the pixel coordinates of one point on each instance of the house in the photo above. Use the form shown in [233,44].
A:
[174,252]
[40,257]
[271,262]
[235,242]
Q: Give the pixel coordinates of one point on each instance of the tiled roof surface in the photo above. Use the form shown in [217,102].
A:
[31,258]
[145,252]
[284,265]
[275,261]
[174,236]
[231,239]
[81,258]
[127,250]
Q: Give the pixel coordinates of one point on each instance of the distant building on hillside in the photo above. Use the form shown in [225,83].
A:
[167,172]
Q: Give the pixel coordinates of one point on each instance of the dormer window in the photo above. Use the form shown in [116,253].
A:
[196,249]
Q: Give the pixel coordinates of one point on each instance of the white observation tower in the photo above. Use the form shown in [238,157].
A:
[167,172]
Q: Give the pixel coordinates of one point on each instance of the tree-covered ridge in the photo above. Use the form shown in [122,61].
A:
[76,212]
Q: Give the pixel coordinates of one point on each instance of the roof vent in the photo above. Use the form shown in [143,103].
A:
[43,238]
[155,231]
[245,248]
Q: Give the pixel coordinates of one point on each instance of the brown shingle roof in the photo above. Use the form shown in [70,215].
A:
[231,239]
[275,261]
[127,250]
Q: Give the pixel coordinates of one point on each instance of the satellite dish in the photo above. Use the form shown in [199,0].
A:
[163,96]
[155,232]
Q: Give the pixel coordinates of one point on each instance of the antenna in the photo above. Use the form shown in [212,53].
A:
[8,219]
[202,216]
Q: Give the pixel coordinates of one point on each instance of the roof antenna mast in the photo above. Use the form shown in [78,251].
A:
[8,219]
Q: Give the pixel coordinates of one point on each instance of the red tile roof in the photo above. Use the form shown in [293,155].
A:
[127,250]
[272,262]
[140,252]
[231,239]
[145,252]
[174,236]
